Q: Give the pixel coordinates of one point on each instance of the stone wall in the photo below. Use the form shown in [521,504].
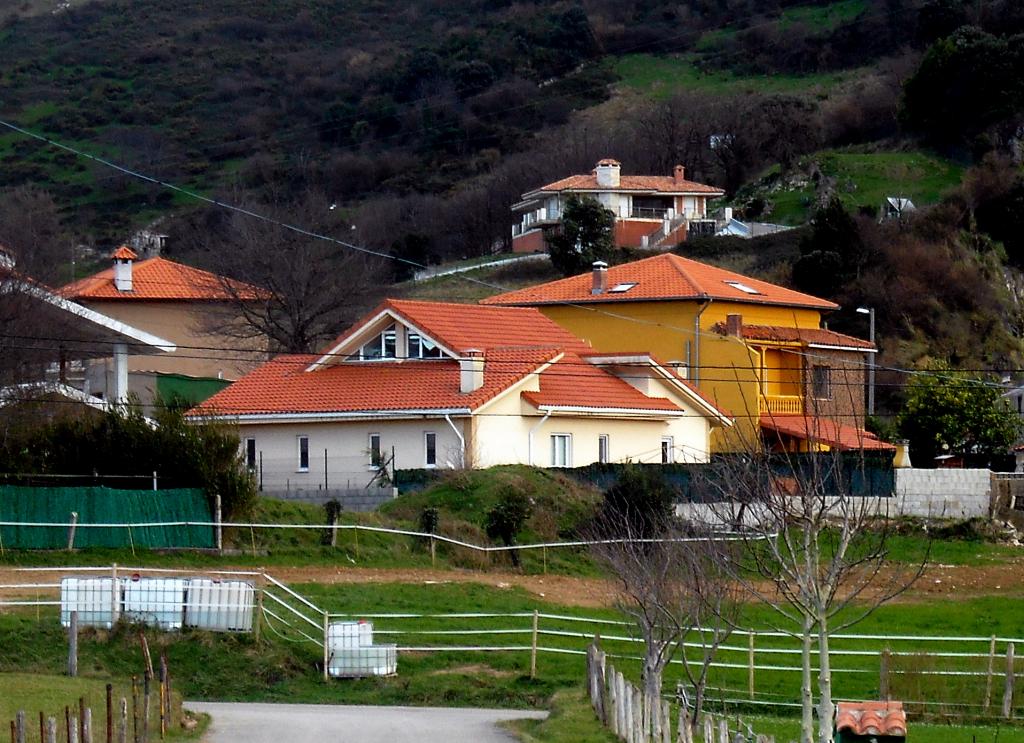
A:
[361,499]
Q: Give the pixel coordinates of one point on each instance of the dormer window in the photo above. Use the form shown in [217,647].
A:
[381,347]
[422,348]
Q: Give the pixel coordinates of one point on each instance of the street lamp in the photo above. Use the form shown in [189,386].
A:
[870,312]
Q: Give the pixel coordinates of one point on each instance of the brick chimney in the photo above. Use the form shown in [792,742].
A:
[607,172]
[734,325]
[123,258]
[600,276]
[679,175]
[471,371]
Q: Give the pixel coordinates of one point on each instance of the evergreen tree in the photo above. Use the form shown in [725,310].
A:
[586,236]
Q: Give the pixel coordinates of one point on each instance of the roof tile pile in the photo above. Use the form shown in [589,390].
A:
[872,718]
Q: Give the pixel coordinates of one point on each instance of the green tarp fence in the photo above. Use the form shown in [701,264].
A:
[99,505]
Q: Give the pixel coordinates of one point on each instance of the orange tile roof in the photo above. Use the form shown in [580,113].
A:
[282,386]
[661,277]
[160,279]
[813,336]
[646,183]
[125,253]
[872,718]
[825,431]
[461,327]
[573,382]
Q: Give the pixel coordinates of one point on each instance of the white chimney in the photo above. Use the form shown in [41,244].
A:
[123,258]
[608,173]
[600,275]
[471,371]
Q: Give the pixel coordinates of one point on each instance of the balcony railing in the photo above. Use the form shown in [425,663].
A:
[648,212]
[782,404]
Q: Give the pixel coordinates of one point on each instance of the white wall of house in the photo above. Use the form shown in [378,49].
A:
[347,444]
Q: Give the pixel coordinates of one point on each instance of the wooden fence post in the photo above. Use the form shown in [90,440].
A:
[146,678]
[51,730]
[71,530]
[883,674]
[750,665]
[73,730]
[73,645]
[988,675]
[601,673]
[1008,690]
[81,719]
[19,726]
[122,728]
[135,709]
[666,722]
[723,731]
[110,713]
[533,646]
[709,729]
[87,725]
[67,723]
[219,529]
[624,704]
[612,708]
[327,646]
[42,727]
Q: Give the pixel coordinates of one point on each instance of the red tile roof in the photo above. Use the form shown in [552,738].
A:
[644,183]
[125,253]
[461,327]
[662,277]
[282,386]
[807,336]
[824,431]
[160,279]
[872,718]
[573,382]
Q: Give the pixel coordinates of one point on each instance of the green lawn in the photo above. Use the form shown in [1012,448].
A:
[865,179]
[661,76]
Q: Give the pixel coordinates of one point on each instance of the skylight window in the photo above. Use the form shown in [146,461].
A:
[742,287]
[620,288]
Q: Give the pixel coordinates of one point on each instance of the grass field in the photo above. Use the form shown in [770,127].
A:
[661,76]
[864,179]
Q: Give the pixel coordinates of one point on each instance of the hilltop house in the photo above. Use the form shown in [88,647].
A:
[430,384]
[757,349]
[651,211]
[195,309]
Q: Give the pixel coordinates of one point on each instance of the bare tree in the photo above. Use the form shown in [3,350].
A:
[671,582]
[313,288]
[815,539]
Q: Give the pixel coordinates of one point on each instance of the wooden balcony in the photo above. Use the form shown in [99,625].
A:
[782,404]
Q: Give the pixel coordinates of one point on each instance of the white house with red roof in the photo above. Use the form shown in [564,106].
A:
[429,384]
[651,211]
[193,308]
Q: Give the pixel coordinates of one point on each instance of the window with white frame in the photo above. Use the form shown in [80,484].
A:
[604,449]
[303,450]
[561,450]
[420,347]
[250,454]
[430,449]
[382,346]
[374,449]
[668,450]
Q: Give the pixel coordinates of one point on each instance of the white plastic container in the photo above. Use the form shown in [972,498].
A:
[372,660]
[220,606]
[349,635]
[156,601]
[97,601]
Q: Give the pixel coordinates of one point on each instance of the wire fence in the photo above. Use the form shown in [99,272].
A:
[959,676]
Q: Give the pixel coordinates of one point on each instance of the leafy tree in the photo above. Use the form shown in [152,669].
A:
[123,442]
[586,236]
[1002,217]
[506,519]
[967,83]
[641,500]
[832,254]
[949,412]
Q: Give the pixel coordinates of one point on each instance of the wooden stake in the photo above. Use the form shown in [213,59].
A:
[42,727]
[145,654]
[1008,690]
[71,530]
[145,706]
[110,713]
[163,696]
[19,726]
[122,728]
[73,645]
[67,723]
[533,646]
[988,675]
[81,719]
[51,730]
[135,709]
[87,725]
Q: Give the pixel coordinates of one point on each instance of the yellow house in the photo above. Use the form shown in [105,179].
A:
[758,350]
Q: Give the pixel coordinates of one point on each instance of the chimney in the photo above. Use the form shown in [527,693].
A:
[471,371]
[608,173]
[123,258]
[679,175]
[734,325]
[600,275]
